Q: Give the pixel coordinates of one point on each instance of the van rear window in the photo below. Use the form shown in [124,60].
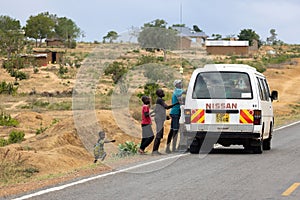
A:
[222,85]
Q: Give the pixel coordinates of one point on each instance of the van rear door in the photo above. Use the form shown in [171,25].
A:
[222,101]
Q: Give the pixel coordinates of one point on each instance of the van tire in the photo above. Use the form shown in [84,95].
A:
[259,148]
[267,142]
[195,146]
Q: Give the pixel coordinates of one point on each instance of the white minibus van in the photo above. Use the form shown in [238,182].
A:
[229,104]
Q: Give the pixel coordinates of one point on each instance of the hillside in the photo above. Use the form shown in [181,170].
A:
[58,153]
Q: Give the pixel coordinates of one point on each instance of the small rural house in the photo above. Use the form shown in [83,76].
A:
[47,56]
[190,38]
[35,59]
[224,47]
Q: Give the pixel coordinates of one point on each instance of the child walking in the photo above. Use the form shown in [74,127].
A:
[147,132]
[99,147]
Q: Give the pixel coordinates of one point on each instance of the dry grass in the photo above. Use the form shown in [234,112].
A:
[58,152]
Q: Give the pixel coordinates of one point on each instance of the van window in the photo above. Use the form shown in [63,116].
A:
[260,89]
[222,85]
[263,89]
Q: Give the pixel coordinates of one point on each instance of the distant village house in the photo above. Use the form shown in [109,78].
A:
[190,38]
[224,47]
[52,56]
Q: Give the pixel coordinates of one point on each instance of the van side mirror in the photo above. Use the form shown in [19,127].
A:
[274,95]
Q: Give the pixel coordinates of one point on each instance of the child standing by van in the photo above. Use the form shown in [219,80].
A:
[175,116]
[147,132]
[160,117]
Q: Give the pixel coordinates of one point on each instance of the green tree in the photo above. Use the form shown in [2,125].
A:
[158,23]
[67,29]
[249,35]
[196,28]
[40,27]
[273,38]
[111,36]
[156,35]
[11,37]
[216,36]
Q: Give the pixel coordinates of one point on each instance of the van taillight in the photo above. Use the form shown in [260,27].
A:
[257,117]
[187,116]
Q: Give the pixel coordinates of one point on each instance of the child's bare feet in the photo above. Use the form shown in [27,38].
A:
[141,151]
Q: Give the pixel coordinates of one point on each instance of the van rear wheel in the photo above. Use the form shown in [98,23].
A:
[258,148]
[195,146]
[267,142]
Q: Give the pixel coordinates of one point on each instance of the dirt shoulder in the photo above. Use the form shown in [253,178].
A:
[59,155]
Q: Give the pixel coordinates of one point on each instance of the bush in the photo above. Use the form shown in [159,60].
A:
[3,142]
[117,70]
[62,70]
[16,136]
[148,59]
[8,88]
[127,149]
[7,120]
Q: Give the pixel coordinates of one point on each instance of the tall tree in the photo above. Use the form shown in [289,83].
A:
[111,36]
[273,38]
[158,23]
[67,29]
[40,27]
[249,35]
[156,35]
[11,36]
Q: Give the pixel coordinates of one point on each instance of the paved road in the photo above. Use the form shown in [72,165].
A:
[223,174]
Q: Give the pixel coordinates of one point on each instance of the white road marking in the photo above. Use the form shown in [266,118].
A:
[113,173]
[283,127]
[96,177]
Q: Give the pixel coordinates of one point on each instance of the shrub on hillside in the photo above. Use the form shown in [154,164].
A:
[8,88]
[7,120]
[16,137]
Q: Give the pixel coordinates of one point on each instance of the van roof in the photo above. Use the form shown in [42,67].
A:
[225,67]
[228,67]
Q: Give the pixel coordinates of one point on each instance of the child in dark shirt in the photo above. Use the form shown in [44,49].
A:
[160,117]
[147,132]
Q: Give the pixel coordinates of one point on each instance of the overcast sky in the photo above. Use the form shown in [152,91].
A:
[225,17]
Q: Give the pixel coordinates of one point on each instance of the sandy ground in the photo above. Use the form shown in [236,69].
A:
[59,153]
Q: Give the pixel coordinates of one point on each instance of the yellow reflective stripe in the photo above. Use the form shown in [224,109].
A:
[249,115]
[243,120]
[202,119]
[196,114]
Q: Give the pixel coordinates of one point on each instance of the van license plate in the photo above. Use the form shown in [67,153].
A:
[222,117]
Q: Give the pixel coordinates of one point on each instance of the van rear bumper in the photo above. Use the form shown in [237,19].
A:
[223,135]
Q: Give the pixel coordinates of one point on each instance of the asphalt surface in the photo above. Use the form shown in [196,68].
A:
[225,173]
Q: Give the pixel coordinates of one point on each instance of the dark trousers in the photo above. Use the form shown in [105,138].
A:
[147,136]
[174,128]
[159,133]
